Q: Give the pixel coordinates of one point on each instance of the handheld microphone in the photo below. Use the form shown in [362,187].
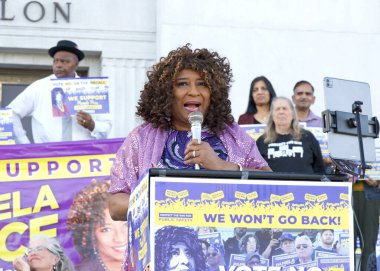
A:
[196,119]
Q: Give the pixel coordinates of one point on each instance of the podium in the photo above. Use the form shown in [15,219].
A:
[169,207]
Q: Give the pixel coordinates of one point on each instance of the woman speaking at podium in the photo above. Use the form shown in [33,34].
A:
[183,82]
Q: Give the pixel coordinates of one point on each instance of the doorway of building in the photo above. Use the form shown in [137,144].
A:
[12,82]
[9,92]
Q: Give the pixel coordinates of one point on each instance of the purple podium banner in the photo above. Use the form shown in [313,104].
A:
[274,224]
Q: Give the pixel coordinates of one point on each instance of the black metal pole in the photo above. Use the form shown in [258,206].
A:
[356,109]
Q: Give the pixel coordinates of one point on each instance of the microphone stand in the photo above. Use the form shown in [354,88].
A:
[356,110]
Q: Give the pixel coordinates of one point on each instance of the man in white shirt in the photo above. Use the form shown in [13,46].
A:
[35,101]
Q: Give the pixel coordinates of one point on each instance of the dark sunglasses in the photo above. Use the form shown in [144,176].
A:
[211,254]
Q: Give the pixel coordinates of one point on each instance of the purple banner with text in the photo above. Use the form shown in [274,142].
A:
[57,190]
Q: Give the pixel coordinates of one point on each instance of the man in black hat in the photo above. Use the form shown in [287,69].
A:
[35,101]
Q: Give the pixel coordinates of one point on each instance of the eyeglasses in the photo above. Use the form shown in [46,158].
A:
[302,245]
[211,254]
[35,249]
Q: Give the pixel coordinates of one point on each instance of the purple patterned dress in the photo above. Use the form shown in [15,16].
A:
[144,149]
[176,143]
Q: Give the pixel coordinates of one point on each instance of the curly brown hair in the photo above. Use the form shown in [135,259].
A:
[156,100]
[86,214]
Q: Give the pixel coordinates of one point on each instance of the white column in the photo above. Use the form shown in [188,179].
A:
[127,78]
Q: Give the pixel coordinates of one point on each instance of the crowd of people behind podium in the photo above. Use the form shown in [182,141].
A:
[185,248]
[185,81]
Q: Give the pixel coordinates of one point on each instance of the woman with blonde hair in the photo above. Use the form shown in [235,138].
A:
[285,145]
